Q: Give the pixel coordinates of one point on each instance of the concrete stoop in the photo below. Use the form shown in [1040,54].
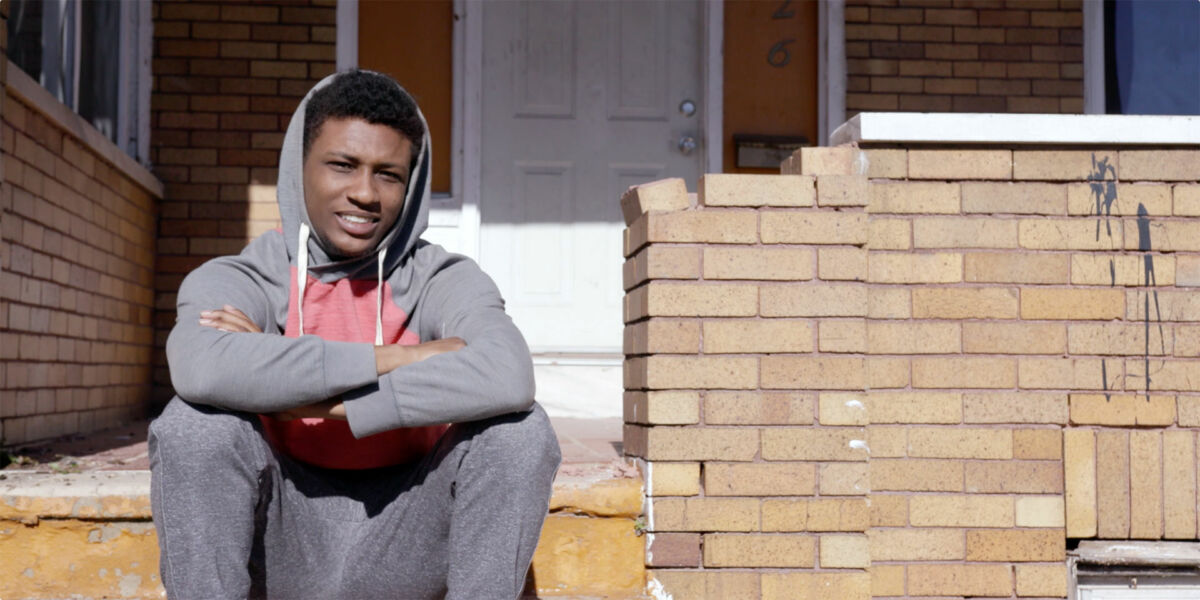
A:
[90,535]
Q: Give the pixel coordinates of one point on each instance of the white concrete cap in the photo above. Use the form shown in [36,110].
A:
[994,128]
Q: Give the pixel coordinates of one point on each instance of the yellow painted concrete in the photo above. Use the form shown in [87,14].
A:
[589,557]
[31,508]
[60,558]
[104,546]
[608,497]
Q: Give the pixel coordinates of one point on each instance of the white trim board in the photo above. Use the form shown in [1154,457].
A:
[40,100]
[713,22]
[1094,99]
[347,34]
[468,124]
[988,128]
[831,68]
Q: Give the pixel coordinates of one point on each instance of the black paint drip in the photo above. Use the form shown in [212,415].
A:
[1150,281]
[1104,190]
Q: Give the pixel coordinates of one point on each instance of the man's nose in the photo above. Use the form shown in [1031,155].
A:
[362,188]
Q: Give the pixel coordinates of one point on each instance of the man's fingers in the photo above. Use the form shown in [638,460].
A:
[241,318]
[228,321]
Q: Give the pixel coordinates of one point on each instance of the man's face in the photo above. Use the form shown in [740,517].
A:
[355,177]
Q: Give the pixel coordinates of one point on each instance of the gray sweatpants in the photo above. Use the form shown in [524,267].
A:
[235,519]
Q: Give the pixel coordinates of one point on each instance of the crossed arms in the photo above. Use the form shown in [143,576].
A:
[388,358]
[480,366]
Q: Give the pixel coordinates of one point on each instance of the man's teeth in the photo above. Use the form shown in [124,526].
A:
[357,219]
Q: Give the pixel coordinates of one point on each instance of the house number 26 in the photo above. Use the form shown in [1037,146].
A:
[779,56]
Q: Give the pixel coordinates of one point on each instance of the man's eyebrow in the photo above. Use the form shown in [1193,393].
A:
[354,159]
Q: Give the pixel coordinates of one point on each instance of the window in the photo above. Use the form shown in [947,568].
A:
[1138,586]
[1134,570]
[1152,57]
[93,56]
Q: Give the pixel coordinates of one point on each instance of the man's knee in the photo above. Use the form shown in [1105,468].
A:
[523,439]
[199,429]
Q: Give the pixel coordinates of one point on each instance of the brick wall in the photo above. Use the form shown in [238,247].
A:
[964,56]
[858,378]
[76,283]
[227,76]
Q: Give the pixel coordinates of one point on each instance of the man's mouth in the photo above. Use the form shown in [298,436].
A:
[357,224]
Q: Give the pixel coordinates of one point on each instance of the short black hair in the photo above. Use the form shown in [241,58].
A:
[373,97]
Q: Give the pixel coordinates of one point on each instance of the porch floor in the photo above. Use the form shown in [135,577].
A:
[582,440]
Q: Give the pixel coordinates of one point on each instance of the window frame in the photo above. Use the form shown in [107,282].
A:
[1117,565]
[132,127]
[1095,58]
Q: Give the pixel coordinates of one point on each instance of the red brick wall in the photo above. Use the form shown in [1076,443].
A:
[227,76]
[964,56]
[75,284]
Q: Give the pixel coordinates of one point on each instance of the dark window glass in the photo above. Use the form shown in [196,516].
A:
[1152,57]
[99,65]
[25,36]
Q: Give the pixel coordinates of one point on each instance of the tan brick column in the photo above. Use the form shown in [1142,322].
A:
[934,365]
[747,376]
[966,468]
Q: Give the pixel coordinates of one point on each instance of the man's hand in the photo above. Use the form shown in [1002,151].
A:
[229,319]
[329,409]
[394,356]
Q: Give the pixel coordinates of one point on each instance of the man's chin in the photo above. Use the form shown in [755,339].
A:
[353,248]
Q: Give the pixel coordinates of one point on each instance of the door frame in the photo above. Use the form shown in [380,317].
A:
[831,68]
[461,208]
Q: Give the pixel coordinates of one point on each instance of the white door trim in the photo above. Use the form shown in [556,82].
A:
[1094,99]
[467,95]
[461,208]
[831,68]
[347,34]
[713,21]
[468,119]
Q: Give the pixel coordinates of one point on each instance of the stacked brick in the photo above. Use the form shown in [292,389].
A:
[973,282]
[228,75]
[964,56]
[76,283]
[921,367]
[747,376]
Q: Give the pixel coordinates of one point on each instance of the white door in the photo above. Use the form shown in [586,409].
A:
[581,99]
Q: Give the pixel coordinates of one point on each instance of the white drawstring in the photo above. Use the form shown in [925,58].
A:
[379,298]
[302,282]
[302,274]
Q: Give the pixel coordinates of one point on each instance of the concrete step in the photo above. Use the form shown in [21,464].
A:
[90,535]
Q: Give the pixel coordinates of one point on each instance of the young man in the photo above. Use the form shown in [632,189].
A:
[307,454]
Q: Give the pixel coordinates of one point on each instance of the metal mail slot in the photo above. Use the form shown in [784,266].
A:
[765,151]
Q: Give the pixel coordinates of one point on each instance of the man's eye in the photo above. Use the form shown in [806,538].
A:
[394,178]
[340,165]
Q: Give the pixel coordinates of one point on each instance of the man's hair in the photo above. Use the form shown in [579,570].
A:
[373,97]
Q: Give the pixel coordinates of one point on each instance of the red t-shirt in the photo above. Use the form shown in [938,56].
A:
[344,311]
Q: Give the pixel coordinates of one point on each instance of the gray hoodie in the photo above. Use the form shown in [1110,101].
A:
[439,295]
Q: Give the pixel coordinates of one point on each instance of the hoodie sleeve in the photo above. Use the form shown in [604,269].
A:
[492,375]
[254,372]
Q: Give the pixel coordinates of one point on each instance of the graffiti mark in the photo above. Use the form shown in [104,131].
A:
[1150,282]
[1104,191]
[1104,379]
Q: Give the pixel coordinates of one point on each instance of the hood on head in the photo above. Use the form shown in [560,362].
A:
[399,241]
